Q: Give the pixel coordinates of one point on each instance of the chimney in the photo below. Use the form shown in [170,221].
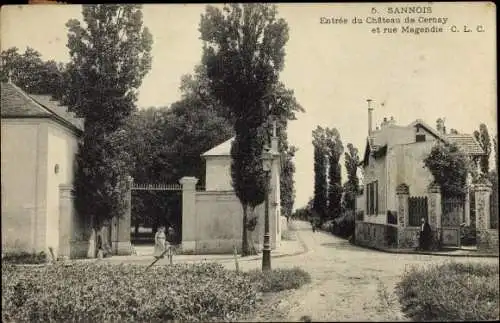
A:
[370,116]
[384,123]
[274,139]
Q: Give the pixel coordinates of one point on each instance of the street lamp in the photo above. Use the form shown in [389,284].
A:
[267,163]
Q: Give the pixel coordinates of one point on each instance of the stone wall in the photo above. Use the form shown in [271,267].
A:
[374,235]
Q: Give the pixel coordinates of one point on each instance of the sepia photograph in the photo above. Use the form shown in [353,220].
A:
[249,162]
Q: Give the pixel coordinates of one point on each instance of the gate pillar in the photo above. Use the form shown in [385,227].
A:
[487,238]
[189,221]
[434,211]
[121,226]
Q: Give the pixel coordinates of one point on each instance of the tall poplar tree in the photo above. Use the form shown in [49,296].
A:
[335,150]
[110,55]
[244,51]
[320,198]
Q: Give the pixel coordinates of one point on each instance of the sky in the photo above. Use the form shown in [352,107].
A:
[332,68]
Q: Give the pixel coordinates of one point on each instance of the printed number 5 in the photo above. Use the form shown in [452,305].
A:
[374,11]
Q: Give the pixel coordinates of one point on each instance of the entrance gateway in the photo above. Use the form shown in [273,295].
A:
[159,204]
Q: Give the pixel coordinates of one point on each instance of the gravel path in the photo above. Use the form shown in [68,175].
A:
[349,283]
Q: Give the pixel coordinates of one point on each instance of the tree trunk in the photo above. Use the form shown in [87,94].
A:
[251,246]
[244,235]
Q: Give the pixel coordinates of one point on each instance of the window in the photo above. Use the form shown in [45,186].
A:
[372,198]
[419,138]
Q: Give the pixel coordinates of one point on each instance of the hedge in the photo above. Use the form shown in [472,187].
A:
[105,292]
[451,292]
[125,293]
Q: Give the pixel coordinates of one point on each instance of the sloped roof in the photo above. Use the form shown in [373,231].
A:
[420,122]
[16,103]
[467,143]
[223,149]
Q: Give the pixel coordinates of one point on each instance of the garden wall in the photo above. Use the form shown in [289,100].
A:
[375,235]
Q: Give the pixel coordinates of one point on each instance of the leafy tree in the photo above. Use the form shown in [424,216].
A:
[449,166]
[109,57]
[320,199]
[31,73]
[243,53]
[483,137]
[351,162]
[334,152]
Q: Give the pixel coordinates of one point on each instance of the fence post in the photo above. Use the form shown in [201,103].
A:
[123,243]
[189,225]
[487,239]
[435,210]
[402,192]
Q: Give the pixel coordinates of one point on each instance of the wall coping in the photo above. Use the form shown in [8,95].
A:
[215,193]
[482,187]
[434,188]
[188,180]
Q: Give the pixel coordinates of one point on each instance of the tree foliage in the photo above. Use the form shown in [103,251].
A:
[31,73]
[351,187]
[335,150]
[320,199]
[243,52]
[449,167]
[110,54]
[483,137]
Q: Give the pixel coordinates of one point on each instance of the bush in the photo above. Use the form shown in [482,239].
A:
[279,279]
[343,226]
[106,292]
[24,258]
[451,291]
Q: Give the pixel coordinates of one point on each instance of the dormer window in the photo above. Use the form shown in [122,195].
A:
[420,137]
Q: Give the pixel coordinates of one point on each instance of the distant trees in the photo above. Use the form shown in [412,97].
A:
[320,199]
[335,149]
[32,74]
[351,187]
[328,149]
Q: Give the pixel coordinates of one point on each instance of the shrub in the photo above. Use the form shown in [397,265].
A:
[451,291]
[106,292]
[24,258]
[343,226]
[279,279]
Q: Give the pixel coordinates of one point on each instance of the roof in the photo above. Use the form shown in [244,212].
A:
[18,104]
[467,143]
[223,149]
[435,133]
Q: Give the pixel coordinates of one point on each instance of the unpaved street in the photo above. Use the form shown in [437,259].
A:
[349,282]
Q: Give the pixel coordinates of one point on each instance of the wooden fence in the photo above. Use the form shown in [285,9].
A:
[417,209]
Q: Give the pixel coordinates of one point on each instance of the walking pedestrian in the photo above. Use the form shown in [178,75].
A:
[160,239]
